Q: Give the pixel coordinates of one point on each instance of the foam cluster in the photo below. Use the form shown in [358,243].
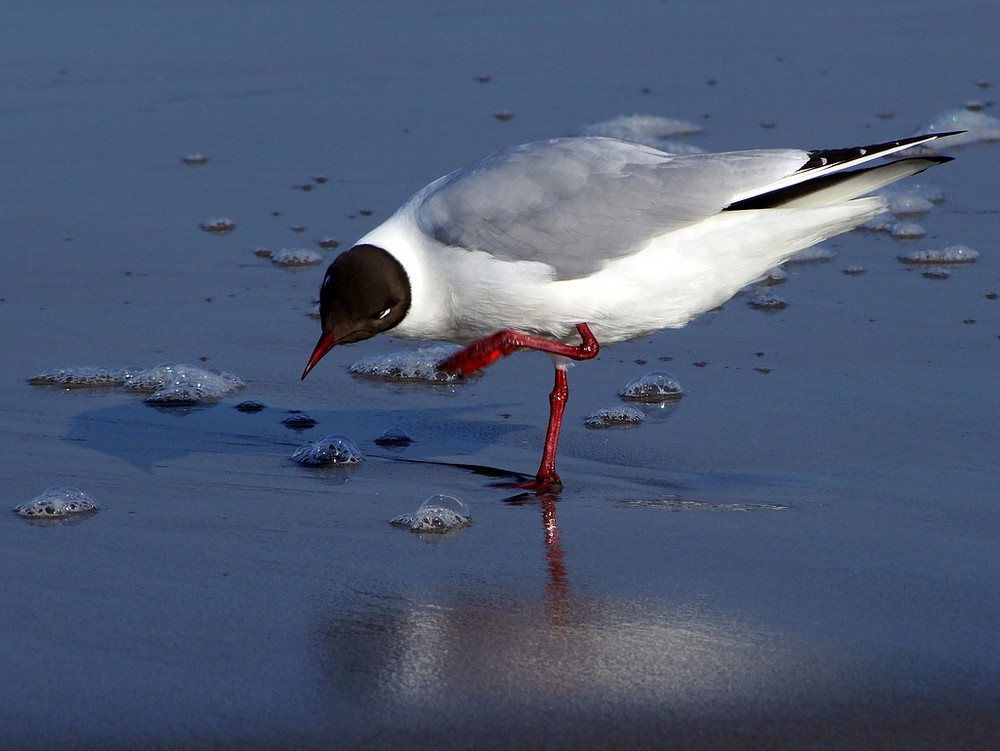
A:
[412,365]
[978,127]
[649,130]
[178,384]
[83,376]
[951,254]
[168,384]
[293,257]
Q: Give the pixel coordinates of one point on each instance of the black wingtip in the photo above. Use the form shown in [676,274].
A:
[777,198]
[924,138]
[825,157]
[944,135]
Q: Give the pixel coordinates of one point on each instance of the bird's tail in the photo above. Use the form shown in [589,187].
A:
[839,186]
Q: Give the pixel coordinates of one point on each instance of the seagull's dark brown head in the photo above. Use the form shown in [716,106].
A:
[365,292]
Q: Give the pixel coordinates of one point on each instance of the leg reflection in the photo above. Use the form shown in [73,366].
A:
[558,588]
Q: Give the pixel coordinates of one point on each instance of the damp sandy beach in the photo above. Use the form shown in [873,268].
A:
[801,552]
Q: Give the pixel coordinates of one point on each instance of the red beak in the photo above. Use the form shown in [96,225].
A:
[324,345]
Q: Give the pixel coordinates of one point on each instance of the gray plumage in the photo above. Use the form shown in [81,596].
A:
[576,203]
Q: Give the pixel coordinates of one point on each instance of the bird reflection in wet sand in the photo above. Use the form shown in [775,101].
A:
[555,557]
[432,661]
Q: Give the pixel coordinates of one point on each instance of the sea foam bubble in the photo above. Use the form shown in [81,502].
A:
[951,254]
[57,503]
[614,417]
[168,384]
[649,130]
[439,513]
[329,451]
[655,386]
[411,365]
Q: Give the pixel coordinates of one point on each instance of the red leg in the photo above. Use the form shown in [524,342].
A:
[491,348]
[546,479]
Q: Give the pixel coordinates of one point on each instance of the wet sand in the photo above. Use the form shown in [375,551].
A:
[802,553]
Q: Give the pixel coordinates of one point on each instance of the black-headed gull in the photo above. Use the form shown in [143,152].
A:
[594,238]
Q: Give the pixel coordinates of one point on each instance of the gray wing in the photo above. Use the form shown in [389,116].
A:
[577,203]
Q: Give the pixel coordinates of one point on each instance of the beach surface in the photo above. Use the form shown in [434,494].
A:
[800,553]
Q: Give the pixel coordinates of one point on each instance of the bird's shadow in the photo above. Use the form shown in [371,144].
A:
[146,436]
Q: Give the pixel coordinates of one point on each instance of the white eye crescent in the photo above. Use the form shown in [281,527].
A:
[384,313]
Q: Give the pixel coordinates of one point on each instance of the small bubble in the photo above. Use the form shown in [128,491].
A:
[878,224]
[295,257]
[439,513]
[927,191]
[936,272]
[394,438]
[219,226]
[614,417]
[906,230]
[655,386]
[767,302]
[299,421]
[909,205]
[812,254]
[250,407]
[195,159]
[329,451]
[773,278]
[57,502]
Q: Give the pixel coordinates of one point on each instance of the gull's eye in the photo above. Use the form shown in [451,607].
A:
[384,313]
